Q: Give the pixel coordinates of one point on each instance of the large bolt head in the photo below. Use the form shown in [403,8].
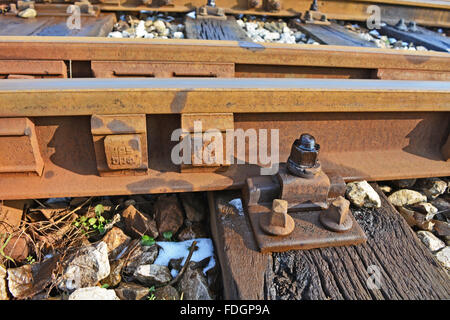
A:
[274,5]
[253,3]
[304,151]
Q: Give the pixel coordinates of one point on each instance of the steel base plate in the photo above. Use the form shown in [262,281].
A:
[308,233]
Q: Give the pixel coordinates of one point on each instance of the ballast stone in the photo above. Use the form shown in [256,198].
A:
[361,194]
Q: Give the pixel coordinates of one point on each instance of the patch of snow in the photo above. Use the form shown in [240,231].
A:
[237,203]
[176,250]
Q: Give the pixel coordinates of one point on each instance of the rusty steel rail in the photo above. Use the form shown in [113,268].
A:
[102,57]
[424,12]
[368,129]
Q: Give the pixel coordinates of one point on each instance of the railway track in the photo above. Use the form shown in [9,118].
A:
[83,114]
[424,12]
[410,130]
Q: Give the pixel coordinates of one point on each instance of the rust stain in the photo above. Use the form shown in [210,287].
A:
[49,174]
[179,101]
[119,126]
[417,60]
[96,122]
[134,144]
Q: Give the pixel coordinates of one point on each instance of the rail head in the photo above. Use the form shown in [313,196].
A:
[107,49]
[53,97]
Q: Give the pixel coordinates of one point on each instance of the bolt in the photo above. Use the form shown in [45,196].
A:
[308,16]
[401,25]
[253,3]
[202,11]
[303,160]
[273,5]
[307,142]
[412,26]
[277,222]
[336,217]
[314,6]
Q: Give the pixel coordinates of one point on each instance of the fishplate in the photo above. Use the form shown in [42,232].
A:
[19,147]
[161,69]
[25,69]
[206,140]
[120,143]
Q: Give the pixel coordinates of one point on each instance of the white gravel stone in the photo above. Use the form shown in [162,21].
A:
[443,257]
[405,197]
[93,293]
[276,32]
[430,240]
[365,36]
[151,274]
[160,26]
[286,38]
[28,13]
[271,36]
[361,194]
[87,268]
[178,35]
[386,189]
[287,30]
[140,30]
[115,34]
[433,187]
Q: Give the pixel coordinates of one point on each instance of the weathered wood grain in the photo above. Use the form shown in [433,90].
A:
[213,29]
[407,269]
[242,266]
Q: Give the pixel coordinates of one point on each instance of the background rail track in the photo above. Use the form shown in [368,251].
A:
[424,12]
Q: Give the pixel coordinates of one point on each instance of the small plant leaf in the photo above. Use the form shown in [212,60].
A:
[147,240]
[99,209]
[167,235]
[92,221]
